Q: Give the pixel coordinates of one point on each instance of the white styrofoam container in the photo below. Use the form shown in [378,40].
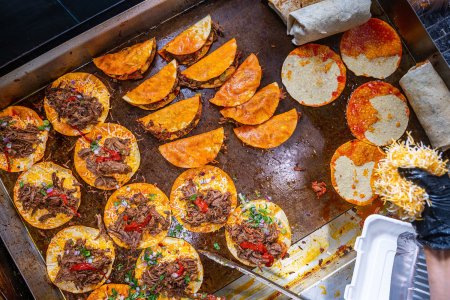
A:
[376,248]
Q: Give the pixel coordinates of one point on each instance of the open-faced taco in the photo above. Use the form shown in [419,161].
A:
[258,109]
[172,268]
[79,259]
[192,44]
[107,157]
[24,137]
[110,291]
[271,133]
[212,70]
[128,63]
[76,102]
[241,86]
[47,195]
[157,91]
[203,198]
[175,120]
[194,151]
[258,233]
[137,216]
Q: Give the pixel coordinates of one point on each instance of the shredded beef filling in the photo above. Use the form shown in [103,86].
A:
[79,109]
[137,218]
[54,198]
[17,142]
[82,265]
[265,234]
[210,206]
[107,160]
[171,277]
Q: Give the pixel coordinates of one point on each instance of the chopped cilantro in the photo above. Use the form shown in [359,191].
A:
[187,279]
[21,184]
[242,198]
[116,203]
[150,258]
[119,267]
[113,295]
[193,197]
[94,145]
[257,193]
[43,192]
[258,216]
[85,252]
[152,197]
[283,231]
[216,246]
[161,278]
[176,231]
[45,125]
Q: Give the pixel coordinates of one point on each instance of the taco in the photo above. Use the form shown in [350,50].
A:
[203,198]
[79,259]
[352,171]
[192,44]
[241,86]
[213,70]
[47,195]
[128,63]
[137,216]
[107,157]
[194,151]
[271,133]
[157,91]
[110,291]
[172,269]
[76,102]
[175,120]
[24,137]
[258,233]
[258,109]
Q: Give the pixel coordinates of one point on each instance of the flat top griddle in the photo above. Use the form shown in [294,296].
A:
[320,131]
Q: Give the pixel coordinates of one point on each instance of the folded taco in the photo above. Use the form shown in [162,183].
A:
[110,291]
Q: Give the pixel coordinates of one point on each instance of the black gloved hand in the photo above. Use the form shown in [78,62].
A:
[434,228]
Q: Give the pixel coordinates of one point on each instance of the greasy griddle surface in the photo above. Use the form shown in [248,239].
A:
[319,133]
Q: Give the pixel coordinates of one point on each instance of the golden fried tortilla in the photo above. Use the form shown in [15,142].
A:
[109,290]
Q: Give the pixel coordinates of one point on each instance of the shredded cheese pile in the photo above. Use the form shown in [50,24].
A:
[404,198]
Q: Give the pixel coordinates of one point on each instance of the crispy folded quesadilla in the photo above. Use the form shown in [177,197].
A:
[258,109]
[79,259]
[241,86]
[258,233]
[47,195]
[157,91]
[172,269]
[175,120]
[110,291]
[313,74]
[203,198]
[128,63]
[194,151]
[24,137]
[137,216]
[372,49]
[352,171]
[377,112]
[192,44]
[76,102]
[107,157]
[213,70]
[271,133]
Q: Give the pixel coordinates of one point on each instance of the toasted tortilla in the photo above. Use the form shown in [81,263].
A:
[258,109]
[212,70]
[241,86]
[270,134]
[156,197]
[314,75]
[93,240]
[38,175]
[194,151]
[172,249]
[157,91]
[107,130]
[372,49]
[377,113]
[128,63]
[107,290]
[239,215]
[192,44]
[206,177]
[174,121]
[352,171]
[22,116]
[83,83]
